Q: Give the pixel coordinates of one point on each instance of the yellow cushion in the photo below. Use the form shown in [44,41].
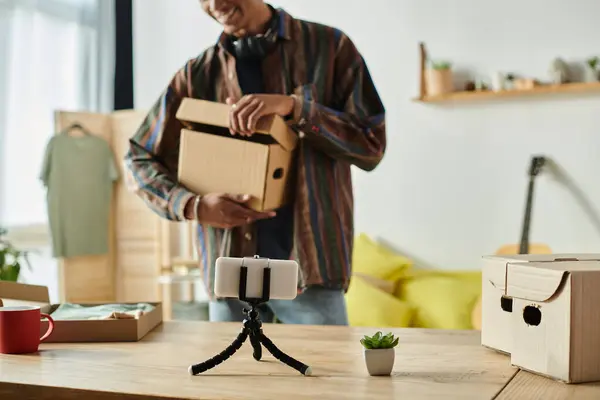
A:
[441,299]
[372,307]
[372,259]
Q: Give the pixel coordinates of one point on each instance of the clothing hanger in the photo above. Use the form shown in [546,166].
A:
[78,126]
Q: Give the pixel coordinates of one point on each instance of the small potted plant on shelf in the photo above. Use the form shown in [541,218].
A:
[379,353]
[591,69]
[439,78]
[10,259]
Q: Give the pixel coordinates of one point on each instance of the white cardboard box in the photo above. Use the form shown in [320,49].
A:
[495,306]
[545,311]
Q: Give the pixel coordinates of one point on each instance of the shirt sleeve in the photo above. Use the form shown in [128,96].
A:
[46,163]
[353,129]
[151,160]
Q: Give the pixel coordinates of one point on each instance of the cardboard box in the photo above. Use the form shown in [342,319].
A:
[211,160]
[496,307]
[543,310]
[114,330]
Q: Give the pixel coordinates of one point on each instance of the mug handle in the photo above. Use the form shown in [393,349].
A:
[50,326]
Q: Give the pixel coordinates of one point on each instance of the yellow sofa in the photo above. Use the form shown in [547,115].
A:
[388,291]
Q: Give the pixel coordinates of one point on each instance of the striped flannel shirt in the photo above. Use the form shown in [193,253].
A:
[340,120]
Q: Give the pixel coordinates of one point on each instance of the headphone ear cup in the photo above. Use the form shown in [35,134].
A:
[251,47]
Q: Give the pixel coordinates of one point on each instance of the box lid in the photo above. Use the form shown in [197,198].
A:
[217,114]
[12,292]
[542,280]
[497,274]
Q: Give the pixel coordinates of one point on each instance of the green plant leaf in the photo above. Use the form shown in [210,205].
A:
[10,258]
[441,65]
[379,341]
[12,272]
[366,343]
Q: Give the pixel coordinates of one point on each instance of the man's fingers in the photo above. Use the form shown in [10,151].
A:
[236,123]
[234,126]
[253,118]
[244,115]
[233,122]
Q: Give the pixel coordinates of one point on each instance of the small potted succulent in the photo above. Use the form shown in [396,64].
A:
[379,353]
[439,78]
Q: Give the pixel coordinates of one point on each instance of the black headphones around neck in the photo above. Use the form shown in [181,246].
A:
[256,46]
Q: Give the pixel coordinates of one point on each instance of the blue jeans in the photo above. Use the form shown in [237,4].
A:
[315,306]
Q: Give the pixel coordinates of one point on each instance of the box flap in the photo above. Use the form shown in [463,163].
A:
[497,274]
[543,257]
[23,292]
[217,114]
[533,281]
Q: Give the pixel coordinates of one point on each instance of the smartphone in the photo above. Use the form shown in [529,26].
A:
[283,277]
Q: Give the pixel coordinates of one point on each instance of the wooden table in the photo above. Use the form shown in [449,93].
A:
[430,364]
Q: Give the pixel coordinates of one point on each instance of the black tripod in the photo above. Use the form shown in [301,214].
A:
[252,327]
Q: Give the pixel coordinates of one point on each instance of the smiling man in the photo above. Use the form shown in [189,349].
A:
[268,62]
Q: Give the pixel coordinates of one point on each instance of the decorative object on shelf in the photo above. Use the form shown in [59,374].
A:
[422,67]
[591,71]
[498,80]
[379,353]
[559,71]
[480,85]
[470,86]
[10,259]
[509,81]
[439,78]
[525,84]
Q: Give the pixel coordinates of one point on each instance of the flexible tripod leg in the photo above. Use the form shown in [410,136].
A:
[255,341]
[222,356]
[284,358]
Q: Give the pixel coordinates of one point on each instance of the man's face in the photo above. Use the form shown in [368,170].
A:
[235,16]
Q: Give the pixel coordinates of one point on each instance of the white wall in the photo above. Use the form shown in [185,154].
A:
[452,184]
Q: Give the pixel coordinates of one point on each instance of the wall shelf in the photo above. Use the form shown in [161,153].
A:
[567,88]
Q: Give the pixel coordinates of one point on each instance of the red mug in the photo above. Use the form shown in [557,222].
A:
[20,329]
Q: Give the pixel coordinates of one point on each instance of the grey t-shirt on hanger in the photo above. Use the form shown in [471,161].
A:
[78,172]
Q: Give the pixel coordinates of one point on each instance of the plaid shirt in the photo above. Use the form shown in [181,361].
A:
[338,116]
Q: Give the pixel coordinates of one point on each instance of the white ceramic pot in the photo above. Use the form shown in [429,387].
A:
[379,361]
[498,81]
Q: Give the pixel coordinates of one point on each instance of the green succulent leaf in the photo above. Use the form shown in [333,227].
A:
[379,341]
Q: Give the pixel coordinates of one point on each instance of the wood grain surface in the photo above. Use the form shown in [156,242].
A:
[526,385]
[430,364]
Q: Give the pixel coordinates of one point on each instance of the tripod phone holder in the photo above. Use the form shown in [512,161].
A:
[252,329]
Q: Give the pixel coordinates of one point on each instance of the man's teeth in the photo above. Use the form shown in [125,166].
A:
[229,14]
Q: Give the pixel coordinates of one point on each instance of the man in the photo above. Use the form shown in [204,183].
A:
[267,62]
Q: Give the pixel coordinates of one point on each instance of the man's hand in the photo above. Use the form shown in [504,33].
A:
[221,210]
[246,112]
